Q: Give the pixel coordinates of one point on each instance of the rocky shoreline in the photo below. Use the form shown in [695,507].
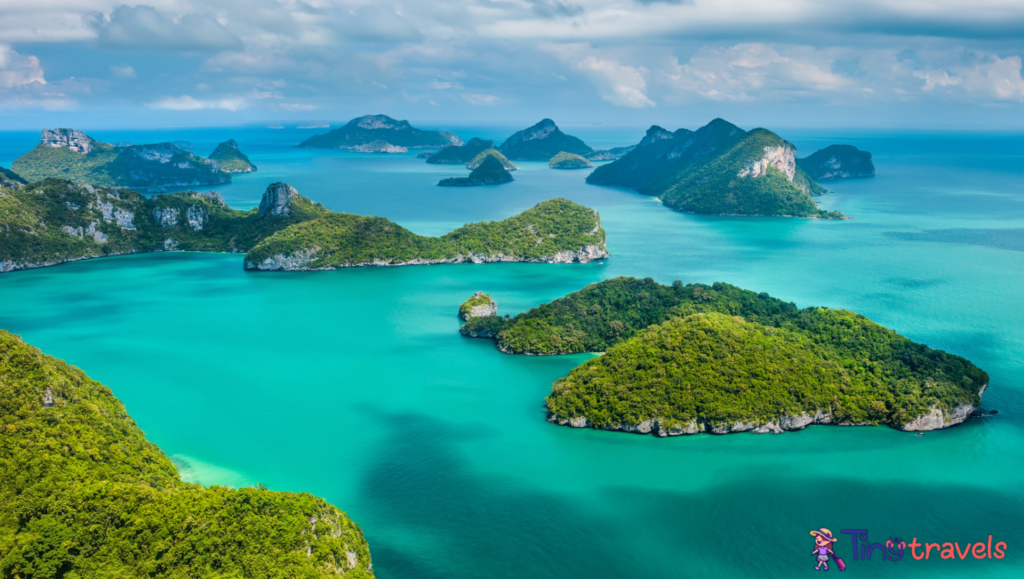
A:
[298,261]
[935,419]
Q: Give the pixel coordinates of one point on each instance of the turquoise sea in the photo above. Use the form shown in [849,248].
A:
[355,385]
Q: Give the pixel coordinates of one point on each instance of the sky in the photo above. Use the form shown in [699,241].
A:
[929,64]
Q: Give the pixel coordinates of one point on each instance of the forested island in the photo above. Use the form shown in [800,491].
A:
[55,221]
[84,494]
[230,159]
[693,358]
[460,154]
[370,128]
[718,169]
[73,155]
[565,160]
[541,142]
[489,171]
[555,231]
[838,162]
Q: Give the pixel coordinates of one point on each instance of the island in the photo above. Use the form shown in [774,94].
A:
[460,154]
[683,359]
[838,162]
[370,128]
[479,305]
[86,495]
[554,231]
[71,154]
[230,159]
[541,142]
[719,169]
[479,160]
[490,172]
[56,221]
[610,154]
[565,160]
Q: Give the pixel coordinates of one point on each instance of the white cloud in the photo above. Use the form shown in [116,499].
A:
[444,85]
[485,100]
[756,71]
[618,84]
[17,70]
[143,27]
[187,103]
[122,71]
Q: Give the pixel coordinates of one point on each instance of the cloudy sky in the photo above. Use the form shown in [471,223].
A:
[911,63]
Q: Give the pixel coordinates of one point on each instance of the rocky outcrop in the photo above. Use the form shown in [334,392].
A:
[935,419]
[196,216]
[299,261]
[70,139]
[277,199]
[293,262]
[379,146]
[80,232]
[166,216]
[478,306]
[782,158]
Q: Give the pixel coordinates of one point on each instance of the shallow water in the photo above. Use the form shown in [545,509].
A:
[356,386]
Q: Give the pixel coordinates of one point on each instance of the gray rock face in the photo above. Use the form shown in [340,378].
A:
[166,216]
[70,139]
[196,216]
[938,418]
[782,158]
[277,199]
[280,262]
[379,146]
[80,232]
[488,309]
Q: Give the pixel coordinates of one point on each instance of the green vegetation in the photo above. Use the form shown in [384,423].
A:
[838,162]
[489,172]
[365,130]
[541,142]
[565,160]
[54,221]
[724,354]
[540,233]
[492,152]
[139,166]
[460,155]
[479,305]
[718,169]
[10,179]
[230,159]
[722,370]
[84,494]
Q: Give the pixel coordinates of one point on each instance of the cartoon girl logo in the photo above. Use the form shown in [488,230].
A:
[823,541]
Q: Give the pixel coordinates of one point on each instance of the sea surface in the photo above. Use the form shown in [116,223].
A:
[355,384]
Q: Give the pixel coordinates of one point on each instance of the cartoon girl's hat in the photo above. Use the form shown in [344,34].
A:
[825,534]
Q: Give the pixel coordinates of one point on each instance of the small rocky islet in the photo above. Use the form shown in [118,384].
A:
[684,359]
[490,171]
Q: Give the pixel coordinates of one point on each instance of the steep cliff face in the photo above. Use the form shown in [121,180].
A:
[71,139]
[277,199]
[781,157]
